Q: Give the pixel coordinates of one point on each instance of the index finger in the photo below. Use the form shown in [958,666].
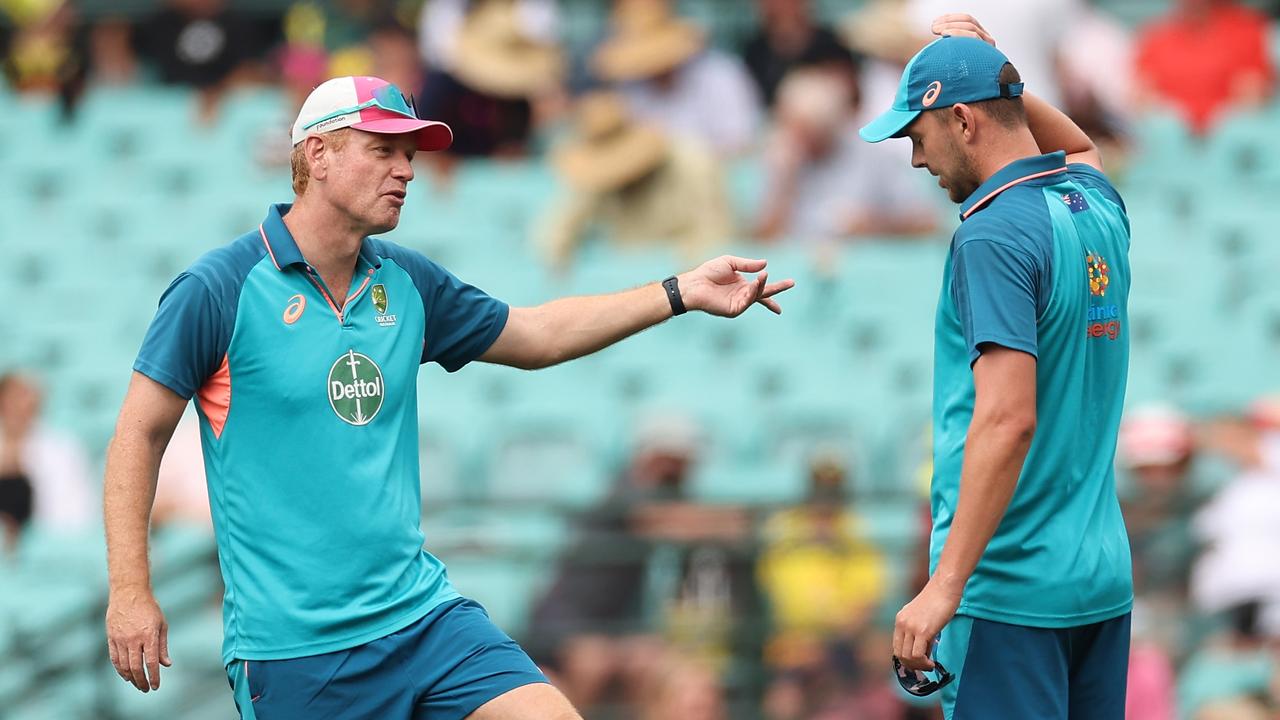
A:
[774,288]
[920,651]
[745,264]
[119,660]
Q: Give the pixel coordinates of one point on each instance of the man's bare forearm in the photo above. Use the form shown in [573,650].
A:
[133,464]
[565,329]
[583,325]
[1053,130]
[994,453]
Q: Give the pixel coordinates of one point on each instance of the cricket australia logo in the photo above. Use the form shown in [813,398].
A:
[355,388]
[379,295]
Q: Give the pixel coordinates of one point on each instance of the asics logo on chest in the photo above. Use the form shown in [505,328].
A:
[294,309]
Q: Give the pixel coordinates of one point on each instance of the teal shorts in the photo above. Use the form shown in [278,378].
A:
[442,667]
[1014,672]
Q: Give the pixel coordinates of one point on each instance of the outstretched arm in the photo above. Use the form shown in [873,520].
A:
[137,635]
[570,328]
[1052,129]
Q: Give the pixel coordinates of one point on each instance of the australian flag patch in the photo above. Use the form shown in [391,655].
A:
[1076,201]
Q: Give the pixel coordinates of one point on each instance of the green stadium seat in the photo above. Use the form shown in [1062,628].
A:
[547,455]
[1216,673]
[180,694]
[600,269]
[247,117]
[72,696]
[734,480]
[30,124]
[745,180]
[501,557]
[893,525]
[506,587]
[1241,151]
[526,530]
[195,641]
[1162,134]
[114,126]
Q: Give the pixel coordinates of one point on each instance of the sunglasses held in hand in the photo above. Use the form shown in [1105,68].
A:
[919,682]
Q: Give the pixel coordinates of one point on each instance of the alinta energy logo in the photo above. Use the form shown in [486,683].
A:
[355,388]
[1103,320]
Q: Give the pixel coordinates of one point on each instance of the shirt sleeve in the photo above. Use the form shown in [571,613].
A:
[995,290]
[462,322]
[187,338]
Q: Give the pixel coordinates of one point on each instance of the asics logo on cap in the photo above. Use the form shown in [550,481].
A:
[931,94]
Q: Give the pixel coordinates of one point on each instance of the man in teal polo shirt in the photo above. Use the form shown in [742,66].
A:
[300,342]
[1030,566]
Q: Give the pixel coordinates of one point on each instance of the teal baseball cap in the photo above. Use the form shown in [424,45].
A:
[947,71]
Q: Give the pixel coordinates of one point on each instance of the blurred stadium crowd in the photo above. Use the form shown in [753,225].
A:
[715,519]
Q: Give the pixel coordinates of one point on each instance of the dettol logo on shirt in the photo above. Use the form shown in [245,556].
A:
[355,388]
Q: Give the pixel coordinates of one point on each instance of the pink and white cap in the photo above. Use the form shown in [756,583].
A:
[323,112]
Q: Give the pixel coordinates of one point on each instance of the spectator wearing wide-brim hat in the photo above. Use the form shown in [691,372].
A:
[663,67]
[633,183]
[498,68]
[881,29]
[495,55]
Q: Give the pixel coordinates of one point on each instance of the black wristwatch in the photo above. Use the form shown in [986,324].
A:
[672,286]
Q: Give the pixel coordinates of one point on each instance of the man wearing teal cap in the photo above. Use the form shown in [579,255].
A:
[1026,612]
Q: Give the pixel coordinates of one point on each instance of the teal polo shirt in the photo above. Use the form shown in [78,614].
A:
[308,420]
[1040,264]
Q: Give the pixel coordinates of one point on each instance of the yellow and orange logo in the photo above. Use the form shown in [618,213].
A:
[294,309]
[1099,274]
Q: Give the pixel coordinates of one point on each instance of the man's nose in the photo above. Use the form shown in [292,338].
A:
[403,169]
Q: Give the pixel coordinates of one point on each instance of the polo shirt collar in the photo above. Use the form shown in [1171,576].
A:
[1015,173]
[283,249]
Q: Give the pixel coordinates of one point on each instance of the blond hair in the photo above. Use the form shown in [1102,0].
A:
[301,169]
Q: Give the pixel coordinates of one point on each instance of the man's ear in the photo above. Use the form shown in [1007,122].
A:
[964,117]
[317,153]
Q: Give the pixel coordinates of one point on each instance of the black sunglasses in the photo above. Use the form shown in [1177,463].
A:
[918,682]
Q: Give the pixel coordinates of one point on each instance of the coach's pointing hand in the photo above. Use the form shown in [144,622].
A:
[137,637]
[717,288]
[919,623]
